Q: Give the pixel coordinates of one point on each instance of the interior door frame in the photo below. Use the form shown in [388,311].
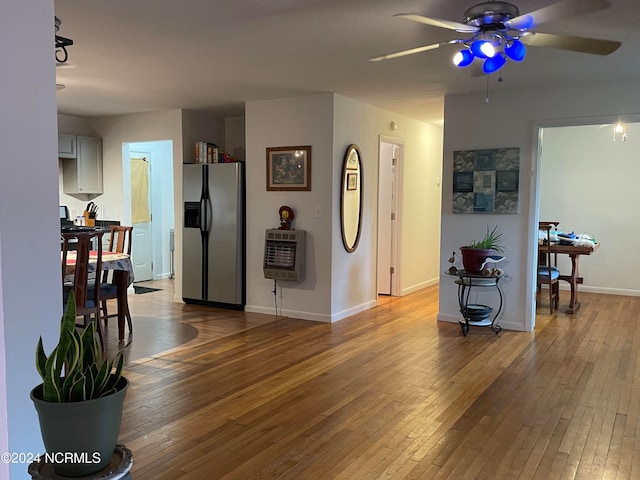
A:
[147,156]
[161,206]
[537,145]
[396,226]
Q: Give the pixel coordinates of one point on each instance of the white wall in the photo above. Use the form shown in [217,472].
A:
[337,283]
[291,122]
[589,183]
[4,430]
[30,251]
[234,137]
[354,274]
[421,204]
[511,119]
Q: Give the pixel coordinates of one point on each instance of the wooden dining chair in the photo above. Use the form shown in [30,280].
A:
[548,273]
[77,278]
[553,226]
[119,242]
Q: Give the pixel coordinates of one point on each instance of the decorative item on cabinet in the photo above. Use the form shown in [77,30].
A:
[82,173]
[286,217]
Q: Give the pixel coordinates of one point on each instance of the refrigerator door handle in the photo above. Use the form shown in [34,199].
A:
[203,215]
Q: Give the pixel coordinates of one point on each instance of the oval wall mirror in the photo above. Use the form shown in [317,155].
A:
[351,198]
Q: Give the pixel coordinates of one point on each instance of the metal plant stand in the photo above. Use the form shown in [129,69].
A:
[473,313]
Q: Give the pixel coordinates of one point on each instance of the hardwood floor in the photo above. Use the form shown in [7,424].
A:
[388,393]
[160,324]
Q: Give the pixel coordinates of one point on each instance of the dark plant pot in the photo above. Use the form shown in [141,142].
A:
[473,259]
[87,432]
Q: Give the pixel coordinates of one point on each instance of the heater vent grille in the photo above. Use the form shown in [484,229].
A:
[284,254]
[278,254]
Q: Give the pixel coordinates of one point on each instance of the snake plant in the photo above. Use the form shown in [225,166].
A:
[492,241]
[76,369]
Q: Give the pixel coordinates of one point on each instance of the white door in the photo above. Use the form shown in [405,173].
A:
[385,215]
[389,193]
[141,246]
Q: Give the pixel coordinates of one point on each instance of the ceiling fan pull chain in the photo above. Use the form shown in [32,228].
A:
[486,98]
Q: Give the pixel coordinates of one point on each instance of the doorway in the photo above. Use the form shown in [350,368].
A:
[586,180]
[147,169]
[141,200]
[390,156]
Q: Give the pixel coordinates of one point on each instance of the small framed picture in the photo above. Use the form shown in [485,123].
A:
[352,181]
[289,168]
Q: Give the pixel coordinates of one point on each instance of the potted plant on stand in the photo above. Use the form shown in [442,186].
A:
[79,402]
[475,254]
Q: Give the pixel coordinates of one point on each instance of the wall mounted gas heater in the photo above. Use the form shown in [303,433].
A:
[284,254]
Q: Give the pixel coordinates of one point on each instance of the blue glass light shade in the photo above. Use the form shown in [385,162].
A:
[515,50]
[494,63]
[483,49]
[463,58]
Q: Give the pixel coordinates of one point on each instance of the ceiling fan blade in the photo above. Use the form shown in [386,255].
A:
[574,44]
[411,51]
[437,22]
[558,11]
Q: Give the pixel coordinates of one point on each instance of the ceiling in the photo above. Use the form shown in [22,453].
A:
[148,55]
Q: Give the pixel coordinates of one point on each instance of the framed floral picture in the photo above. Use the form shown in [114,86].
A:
[352,181]
[289,168]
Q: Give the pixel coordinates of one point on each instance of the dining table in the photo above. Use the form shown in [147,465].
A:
[574,279]
[122,267]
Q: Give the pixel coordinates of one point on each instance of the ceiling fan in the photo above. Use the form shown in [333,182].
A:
[497,32]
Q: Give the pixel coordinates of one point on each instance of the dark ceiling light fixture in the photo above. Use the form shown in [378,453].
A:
[61,44]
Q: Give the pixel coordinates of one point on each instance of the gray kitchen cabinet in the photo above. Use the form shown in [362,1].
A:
[66,146]
[83,174]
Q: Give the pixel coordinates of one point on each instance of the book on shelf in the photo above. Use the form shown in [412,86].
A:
[206,152]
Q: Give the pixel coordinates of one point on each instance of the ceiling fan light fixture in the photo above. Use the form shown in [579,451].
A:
[515,50]
[494,63]
[483,49]
[463,58]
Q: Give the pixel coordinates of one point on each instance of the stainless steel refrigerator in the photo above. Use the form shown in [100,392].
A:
[213,237]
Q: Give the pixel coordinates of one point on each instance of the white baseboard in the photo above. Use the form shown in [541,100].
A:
[316,317]
[604,290]
[505,324]
[161,276]
[419,286]
[353,310]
